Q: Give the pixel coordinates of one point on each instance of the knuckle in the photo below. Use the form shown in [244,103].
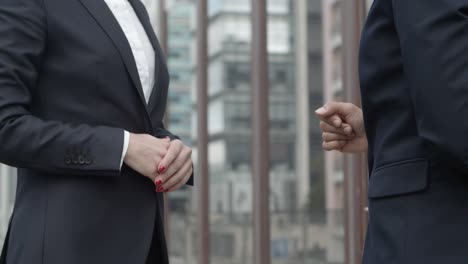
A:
[181,146]
[188,151]
[171,156]
[163,151]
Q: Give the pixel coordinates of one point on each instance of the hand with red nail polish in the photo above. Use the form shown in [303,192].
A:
[176,167]
[158,181]
[161,169]
[144,151]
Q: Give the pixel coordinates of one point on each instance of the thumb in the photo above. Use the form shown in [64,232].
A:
[329,109]
[331,113]
[336,108]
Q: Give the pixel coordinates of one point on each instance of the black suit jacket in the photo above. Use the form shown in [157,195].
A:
[414,81]
[69,87]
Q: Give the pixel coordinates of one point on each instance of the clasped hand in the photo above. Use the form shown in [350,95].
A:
[167,163]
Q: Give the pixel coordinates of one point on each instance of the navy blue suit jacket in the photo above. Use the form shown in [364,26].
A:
[414,81]
[69,87]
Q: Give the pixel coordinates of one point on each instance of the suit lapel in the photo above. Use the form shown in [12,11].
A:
[160,62]
[103,15]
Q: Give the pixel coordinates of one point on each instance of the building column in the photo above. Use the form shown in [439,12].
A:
[202,137]
[302,105]
[260,132]
[355,170]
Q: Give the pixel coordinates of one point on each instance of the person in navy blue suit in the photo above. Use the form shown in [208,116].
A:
[83,91]
[413,67]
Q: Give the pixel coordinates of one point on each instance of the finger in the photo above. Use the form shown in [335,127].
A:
[184,156]
[172,153]
[331,129]
[333,120]
[333,145]
[336,120]
[165,147]
[176,178]
[347,129]
[334,108]
[183,182]
[328,137]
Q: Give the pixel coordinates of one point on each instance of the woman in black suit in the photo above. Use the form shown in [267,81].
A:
[83,89]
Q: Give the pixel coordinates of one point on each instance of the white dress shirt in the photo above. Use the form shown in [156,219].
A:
[142,49]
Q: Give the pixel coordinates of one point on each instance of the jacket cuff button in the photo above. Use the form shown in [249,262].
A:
[88,161]
[81,159]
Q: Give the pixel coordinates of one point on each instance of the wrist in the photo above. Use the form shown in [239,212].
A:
[130,146]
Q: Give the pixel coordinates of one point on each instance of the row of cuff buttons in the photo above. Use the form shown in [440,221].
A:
[78,159]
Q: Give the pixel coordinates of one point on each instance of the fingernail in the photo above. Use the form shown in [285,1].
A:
[160,189]
[162,169]
[159,182]
[167,138]
[320,111]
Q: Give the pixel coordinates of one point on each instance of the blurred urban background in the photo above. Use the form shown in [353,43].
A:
[307,186]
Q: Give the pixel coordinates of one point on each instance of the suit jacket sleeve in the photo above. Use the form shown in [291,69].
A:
[25,140]
[434,48]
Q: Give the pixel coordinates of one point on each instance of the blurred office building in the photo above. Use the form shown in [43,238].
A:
[305,202]
[307,186]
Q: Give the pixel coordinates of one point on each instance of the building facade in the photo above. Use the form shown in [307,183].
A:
[305,50]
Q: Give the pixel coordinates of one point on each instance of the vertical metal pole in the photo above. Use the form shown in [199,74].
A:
[163,39]
[202,112]
[355,171]
[302,103]
[163,25]
[303,115]
[260,130]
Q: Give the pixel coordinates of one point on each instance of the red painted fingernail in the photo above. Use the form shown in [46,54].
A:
[162,169]
[160,189]
[159,182]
